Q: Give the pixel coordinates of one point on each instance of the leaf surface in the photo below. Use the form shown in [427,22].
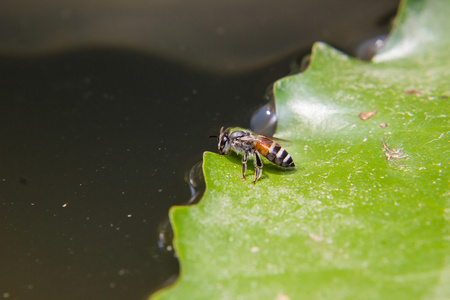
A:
[365,215]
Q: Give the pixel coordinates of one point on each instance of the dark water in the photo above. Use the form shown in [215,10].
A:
[95,145]
[94,149]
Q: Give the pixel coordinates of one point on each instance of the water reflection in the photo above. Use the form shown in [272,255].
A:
[300,64]
[196,182]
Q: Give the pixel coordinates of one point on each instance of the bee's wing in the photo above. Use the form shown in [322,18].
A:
[278,140]
[264,139]
[249,138]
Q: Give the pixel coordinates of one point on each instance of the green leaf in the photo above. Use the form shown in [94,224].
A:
[347,223]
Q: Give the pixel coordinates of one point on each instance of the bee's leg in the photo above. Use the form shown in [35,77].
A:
[259,165]
[244,164]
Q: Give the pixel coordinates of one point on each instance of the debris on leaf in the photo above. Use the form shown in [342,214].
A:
[412,92]
[282,297]
[367,114]
[392,153]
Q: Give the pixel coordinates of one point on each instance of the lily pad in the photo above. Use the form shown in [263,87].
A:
[365,213]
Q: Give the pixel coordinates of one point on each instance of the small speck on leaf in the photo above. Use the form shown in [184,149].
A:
[412,92]
[365,115]
[282,297]
[315,237]
[254,249]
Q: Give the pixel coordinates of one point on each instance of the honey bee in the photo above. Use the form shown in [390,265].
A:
[253,144]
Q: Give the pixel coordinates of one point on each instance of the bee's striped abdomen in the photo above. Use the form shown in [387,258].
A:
[276,154]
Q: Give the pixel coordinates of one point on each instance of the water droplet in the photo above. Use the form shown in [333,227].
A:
[264,119]
[367,49]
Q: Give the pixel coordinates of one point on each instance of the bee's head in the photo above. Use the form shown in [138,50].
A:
[224,142]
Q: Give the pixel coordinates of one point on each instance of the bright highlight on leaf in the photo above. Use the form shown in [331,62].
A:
[348,222]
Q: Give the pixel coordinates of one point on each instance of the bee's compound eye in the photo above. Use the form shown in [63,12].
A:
[224,144]
[224,141]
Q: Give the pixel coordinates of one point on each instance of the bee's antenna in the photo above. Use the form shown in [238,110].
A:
[213,136]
